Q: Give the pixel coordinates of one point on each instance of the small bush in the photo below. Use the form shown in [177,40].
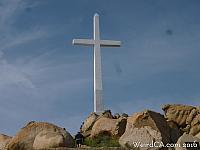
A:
[102,141]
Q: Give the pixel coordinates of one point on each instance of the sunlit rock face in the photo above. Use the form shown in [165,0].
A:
[40,135]
[186,117]
[145,127]
[105,122]
[4,140]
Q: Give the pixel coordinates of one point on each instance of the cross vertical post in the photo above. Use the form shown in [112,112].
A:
[98,90]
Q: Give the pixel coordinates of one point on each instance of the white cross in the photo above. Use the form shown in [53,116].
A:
[97,43]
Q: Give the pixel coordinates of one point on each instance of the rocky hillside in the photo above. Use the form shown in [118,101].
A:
[178,128]
[38,135]
[180,124]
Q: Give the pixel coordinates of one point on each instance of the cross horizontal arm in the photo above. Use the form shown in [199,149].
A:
[85,42]
[110,43]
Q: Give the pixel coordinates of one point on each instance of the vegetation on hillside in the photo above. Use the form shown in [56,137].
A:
[102,141]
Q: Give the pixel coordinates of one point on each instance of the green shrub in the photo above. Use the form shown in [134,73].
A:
[102,141]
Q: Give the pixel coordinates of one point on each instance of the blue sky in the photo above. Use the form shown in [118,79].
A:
[44,78]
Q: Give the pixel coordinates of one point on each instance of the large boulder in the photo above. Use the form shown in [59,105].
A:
[107,114]
[145,127]
[186,142]
[179,114]
[4,140]
[195,125]
[107,126]
[116,116]
[187,118]
[40,135]
[88,124]
[48,139]
[86,127]
[198,135]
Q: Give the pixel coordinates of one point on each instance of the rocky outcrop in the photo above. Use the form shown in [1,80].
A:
[48,139]
[125,115]
[198,135]
[194,126]
[116,116]
[116,123]
[40,135]
[187,118]
[179,114]
[145,127]
[4,140]
[186,142]
[107,126]
[88,124]
[107,114]
[175,133]
[180,124]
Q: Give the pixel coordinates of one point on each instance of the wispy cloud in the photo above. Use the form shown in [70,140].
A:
[9,10]
[23,38]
